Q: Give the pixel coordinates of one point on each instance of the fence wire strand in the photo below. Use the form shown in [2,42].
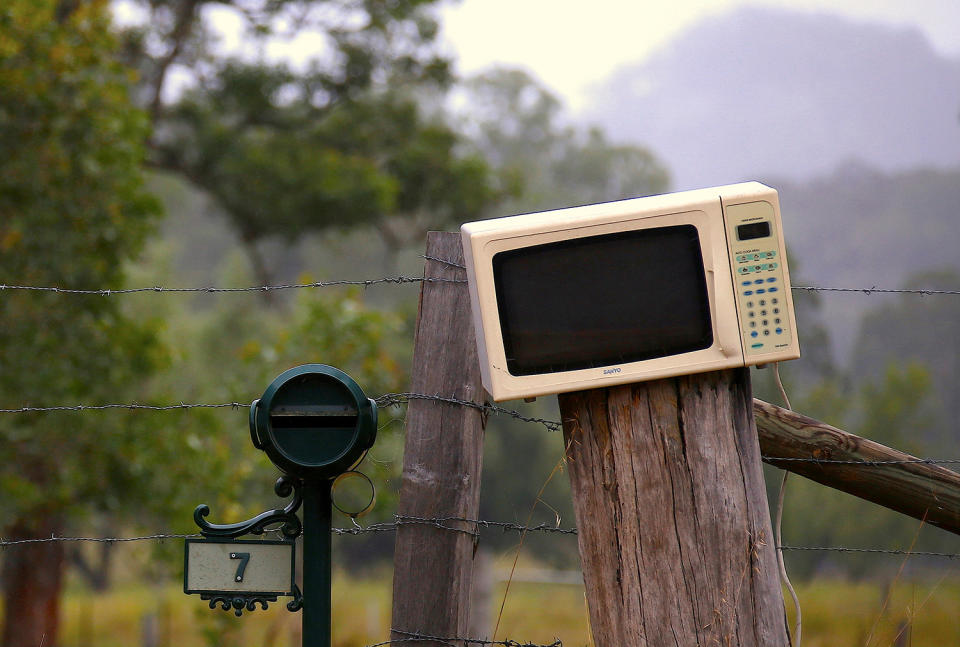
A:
[385,400]
[5,543]
[865,463]
[133,406]
[416,636]
[399,280]
[444,523]
[366,283]
[876,290]
[398,399]
[879,551]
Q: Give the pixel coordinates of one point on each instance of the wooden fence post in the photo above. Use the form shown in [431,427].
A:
[442,459]
[674,531]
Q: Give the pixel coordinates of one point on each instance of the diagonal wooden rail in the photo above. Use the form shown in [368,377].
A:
[858,466]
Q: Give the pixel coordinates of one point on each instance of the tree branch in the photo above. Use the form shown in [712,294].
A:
[181,32]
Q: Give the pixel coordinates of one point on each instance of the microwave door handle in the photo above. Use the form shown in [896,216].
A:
[728,337]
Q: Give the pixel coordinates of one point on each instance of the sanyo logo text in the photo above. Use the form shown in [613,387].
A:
[609,371]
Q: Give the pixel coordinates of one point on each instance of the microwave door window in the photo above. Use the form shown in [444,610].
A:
[602,300]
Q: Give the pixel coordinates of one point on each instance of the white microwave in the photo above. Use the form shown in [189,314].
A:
[628,291]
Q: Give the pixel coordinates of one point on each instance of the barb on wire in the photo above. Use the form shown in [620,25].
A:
[397,280]
[866,463]
[395,399]
[357,529]
[416,636]
[444,261]
[447,523]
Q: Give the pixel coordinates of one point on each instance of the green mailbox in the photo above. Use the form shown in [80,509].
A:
[314,422]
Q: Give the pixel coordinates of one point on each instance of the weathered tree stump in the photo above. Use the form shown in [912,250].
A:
[674,530]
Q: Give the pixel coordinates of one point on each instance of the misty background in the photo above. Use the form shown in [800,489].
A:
[257,181]
[857,124]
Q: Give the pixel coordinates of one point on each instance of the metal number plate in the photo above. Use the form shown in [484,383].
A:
[252,567]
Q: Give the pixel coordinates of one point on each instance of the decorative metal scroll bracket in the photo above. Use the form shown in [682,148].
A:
[239,601]
[297,602]
[291,527]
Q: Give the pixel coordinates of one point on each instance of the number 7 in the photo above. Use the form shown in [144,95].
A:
[244,559]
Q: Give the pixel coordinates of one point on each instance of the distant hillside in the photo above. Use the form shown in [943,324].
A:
[858,227]
[775,92]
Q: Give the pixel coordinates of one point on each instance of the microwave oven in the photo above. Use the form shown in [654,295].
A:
[627,291]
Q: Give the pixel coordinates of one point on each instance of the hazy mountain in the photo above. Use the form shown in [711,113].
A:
[860,228]
[775,92]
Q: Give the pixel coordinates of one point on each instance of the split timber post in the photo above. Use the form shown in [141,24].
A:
[674,530]
[442,459]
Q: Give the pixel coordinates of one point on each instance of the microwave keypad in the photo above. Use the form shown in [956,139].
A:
[762,301]
[759,299]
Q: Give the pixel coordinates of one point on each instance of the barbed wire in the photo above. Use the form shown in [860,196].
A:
[396,399]
[416,636]
[400,279]
[444,261]
[807,288]
[881,551]
[442,523]
[876,290]
[134,406]
[385,400]
[868,463]
[5,543]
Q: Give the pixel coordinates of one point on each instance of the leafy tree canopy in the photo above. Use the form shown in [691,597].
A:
[73,211]
[335,143]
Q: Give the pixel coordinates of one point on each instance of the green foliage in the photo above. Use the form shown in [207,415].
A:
[923,331]
[895,407]
[517,124]
[74,210]
[340,142]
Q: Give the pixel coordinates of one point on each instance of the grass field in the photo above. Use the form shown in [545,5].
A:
[835,613]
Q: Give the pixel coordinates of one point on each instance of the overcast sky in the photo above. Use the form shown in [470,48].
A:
[572,44]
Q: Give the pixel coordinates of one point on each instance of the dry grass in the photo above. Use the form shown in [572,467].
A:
[834,612]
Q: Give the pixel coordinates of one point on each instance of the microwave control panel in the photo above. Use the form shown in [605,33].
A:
[761,282]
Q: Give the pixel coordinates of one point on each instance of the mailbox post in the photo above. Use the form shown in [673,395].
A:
[314,423]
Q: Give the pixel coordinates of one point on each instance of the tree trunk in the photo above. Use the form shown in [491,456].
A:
[675,536]
[32,581]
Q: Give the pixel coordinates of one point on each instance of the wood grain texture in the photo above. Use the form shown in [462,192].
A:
[675,537]
[922,491]
[442,461]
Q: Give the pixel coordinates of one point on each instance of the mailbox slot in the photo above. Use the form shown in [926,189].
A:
[304,416]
